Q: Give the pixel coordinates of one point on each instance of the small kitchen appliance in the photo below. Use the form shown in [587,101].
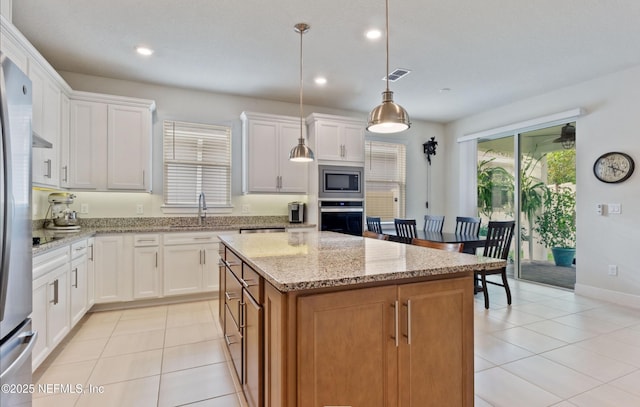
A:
[62,217]
[296,212]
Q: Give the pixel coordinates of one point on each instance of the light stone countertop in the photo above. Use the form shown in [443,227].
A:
[300,260]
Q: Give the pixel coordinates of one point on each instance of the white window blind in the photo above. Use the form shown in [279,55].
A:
[197,158]
[385,175]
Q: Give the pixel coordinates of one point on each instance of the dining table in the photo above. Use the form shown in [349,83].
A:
[471,242]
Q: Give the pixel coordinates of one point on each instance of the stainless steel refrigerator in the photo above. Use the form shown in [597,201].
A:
[16,336]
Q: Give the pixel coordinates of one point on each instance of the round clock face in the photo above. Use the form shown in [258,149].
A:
[613,167]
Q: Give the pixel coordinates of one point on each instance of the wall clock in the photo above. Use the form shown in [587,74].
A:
[613,167]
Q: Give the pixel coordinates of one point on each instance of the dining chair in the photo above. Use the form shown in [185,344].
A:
[433,223]
[374,235]
[449,247]
[406,227]
[468,225]
[499,236]
[373,224]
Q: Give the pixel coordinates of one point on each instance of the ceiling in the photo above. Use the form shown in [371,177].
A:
[488,53]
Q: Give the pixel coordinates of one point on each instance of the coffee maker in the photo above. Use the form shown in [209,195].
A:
[296,212]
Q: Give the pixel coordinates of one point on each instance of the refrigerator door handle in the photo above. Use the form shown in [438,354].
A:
[29,338]
[6,197]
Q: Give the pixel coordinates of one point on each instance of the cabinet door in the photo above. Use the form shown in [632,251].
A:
[91,297]
[328,141]
[347,351]
[58,308]
[210,267]
[39,320]
[262,152]
[252,351]
[78,288]
[182,269]
[353,142]
[146,272]
[65,106]
[293,176]
[87,145]
[129,143]
[109,269]
[436,351]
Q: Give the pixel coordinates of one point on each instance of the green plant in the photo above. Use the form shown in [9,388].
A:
[495,188]
[556,226]
[532,195]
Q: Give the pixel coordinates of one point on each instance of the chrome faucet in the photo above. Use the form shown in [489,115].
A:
[202,208]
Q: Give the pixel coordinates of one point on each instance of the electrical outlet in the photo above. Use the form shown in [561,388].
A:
[246,208]
[139,209]
[614,208]
[613,270]
[84,208]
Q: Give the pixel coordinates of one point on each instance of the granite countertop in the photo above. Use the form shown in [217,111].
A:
[52,239]
[300,260]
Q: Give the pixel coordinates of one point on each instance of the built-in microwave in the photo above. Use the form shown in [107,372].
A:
[341,182]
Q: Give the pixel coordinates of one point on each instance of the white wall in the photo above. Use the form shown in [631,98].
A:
[610,124]
[205,107]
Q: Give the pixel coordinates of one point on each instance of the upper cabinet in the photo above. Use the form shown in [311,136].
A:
[266,142]
[336,138]
[110,142]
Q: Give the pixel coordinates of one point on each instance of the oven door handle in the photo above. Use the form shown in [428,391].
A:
[347,209]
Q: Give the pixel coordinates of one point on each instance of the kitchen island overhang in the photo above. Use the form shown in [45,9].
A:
[319,318]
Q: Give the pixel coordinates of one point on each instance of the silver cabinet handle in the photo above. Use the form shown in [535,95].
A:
[248,283]
[204,256]
[75,284]
[408,335]
[55,292]
[91,258]
[227,339]
[48,164]
[395,319]
[231,296]
[156,259]
[203,238]
[80,248]
[66,173]
[146,240]
[243,315]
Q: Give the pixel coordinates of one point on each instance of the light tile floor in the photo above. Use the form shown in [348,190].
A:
[549,348]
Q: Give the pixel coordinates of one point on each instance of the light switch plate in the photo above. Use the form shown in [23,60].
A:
[84,208]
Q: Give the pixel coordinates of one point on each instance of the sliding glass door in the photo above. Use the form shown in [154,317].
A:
[531,174]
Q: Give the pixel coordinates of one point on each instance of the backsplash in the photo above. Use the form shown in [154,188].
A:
[209,221]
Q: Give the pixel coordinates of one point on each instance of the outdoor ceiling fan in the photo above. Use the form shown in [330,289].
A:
[567,137]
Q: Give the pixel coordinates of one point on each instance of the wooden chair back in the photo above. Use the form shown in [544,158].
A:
[499,236]
[374,235]
[406,227]
[373,224]
[468,225]
[433,223]
[450,247]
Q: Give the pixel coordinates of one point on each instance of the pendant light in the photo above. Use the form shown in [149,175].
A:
[567,137]
[388,117]
[301,153]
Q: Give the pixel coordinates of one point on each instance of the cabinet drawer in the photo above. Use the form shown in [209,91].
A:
[233,263]
[78,249]
[190,238]
[43,263]
[146,240]
[232,297]
[252,281]
[233,338]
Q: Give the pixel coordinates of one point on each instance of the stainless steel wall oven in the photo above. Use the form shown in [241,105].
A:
[342,216]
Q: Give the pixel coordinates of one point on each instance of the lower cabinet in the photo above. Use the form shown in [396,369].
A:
[147,266]
[190,263]
[51,299]
[113,268]
[78,281]
[91,296]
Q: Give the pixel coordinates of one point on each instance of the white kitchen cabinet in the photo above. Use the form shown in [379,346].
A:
[91,297]
[51,312]
[190,262]
[46,124]
[336,138]
[64,140]
[78,281]
[110,140]
[113,268]
[266,143]
[147,266]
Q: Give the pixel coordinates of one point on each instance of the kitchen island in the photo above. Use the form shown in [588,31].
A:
[325,319]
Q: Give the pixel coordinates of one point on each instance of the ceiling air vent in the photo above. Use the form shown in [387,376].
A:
[397,74]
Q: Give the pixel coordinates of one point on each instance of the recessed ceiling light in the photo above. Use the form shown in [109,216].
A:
[373,34]
[144,51]
[320,80]
[444,90]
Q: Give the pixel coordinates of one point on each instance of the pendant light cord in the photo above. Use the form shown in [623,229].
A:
[387,35]
[302,31]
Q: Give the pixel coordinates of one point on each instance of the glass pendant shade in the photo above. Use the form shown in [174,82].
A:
[388,117]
